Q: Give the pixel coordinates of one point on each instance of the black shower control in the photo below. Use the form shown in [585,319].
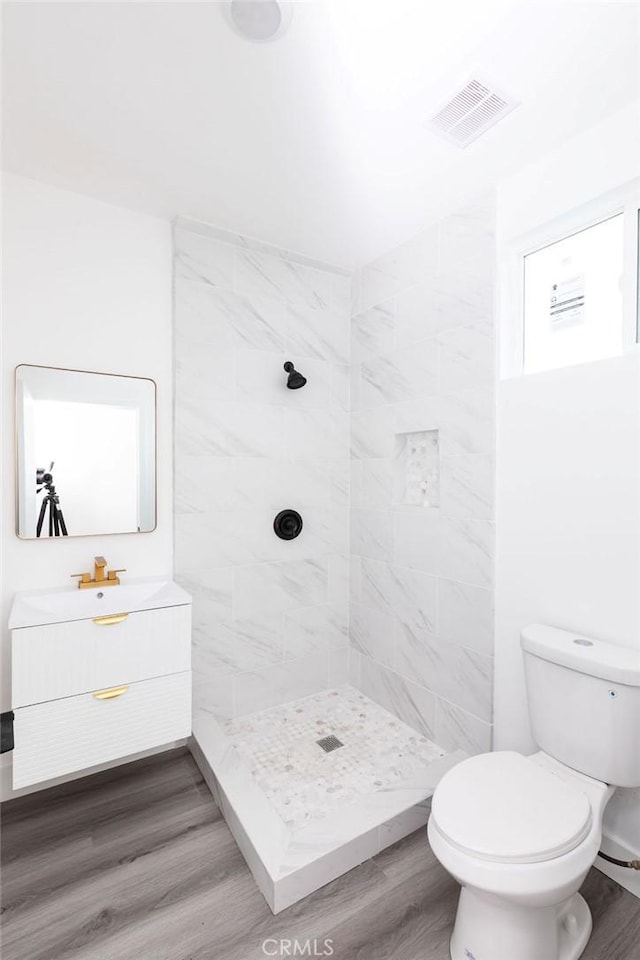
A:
[287,524]
[295,380]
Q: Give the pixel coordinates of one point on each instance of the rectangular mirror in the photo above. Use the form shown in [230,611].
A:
[86,453]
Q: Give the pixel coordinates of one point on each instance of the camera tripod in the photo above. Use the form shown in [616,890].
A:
[51,501]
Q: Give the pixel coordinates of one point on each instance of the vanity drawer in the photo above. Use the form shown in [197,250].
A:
[63,659]
[64,736]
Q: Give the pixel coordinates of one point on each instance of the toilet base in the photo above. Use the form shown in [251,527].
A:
[492,928]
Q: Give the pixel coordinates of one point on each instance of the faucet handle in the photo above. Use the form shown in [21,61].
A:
[112,575]
[84,577]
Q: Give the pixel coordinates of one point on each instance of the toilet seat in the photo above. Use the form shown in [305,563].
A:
[505,808]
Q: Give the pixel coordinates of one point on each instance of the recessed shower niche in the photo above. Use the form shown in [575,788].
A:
[416,470]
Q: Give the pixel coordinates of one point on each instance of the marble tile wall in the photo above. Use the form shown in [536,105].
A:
[405,346]
[422,352]
[270,617]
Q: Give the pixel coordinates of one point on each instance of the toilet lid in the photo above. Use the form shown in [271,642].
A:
[503,807]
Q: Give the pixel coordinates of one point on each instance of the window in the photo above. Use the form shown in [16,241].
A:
[573,298]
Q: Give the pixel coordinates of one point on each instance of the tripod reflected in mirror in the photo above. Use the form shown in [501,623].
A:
[50,503]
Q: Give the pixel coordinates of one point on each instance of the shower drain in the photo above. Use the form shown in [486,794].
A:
[329,743]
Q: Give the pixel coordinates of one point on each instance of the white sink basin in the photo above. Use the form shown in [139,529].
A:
[59,606]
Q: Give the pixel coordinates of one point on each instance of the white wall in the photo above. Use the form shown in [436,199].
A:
[85,285]
[568,515]
[595,162]
[568,449]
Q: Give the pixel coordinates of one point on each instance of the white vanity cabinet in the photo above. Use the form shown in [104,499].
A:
[95,689]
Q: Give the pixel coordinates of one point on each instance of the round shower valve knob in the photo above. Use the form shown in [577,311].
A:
[288,524]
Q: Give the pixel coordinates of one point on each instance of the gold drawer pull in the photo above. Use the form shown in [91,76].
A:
[110,694]
[114,618]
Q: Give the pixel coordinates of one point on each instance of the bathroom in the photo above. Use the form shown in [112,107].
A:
[320,375]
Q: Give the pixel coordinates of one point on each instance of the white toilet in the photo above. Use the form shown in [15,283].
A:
[520,833]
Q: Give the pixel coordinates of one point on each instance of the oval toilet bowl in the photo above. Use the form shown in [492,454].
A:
[519,894]
[533,884]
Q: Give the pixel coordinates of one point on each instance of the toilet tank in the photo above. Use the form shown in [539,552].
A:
[584,702]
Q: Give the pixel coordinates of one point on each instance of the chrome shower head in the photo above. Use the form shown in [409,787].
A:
[295,380]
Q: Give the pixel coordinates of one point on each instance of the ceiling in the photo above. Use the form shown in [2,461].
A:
[316,142]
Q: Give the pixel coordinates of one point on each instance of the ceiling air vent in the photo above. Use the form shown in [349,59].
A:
[476,107]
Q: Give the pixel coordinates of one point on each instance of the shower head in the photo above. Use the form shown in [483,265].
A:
[295,380]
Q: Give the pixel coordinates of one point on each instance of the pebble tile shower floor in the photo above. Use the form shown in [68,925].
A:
[302,781]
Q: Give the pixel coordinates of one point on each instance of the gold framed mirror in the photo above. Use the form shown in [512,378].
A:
[85,453]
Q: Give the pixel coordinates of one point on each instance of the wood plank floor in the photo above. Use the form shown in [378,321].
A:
[137,864]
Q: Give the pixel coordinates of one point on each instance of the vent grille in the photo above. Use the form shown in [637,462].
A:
[329,743]
[475,108]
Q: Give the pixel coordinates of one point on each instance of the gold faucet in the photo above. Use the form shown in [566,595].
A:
[99,580]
